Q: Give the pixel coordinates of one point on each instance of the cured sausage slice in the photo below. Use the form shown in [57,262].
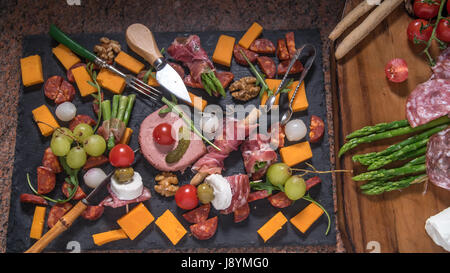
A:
[241,213]
[79,194]
[283,66]
[290,43]
[198,215]
[95,161]
[262,46]
[81,119]
[46,180]
[428,101]
[316,129]
[312,182]
[256,195]
[240,188]
[442,68]
[56,212]
[69,73]
[280,200]
[438,159]
[93,212]
[205,230]
[251,56]
[267,66]
[31,198]
[51,161]
[282,51]
[59,90]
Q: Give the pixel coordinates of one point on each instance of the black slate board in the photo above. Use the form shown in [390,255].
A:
[30,146]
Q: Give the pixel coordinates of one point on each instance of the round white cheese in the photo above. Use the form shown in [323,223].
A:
[222,191]
[129,190]
[438,228]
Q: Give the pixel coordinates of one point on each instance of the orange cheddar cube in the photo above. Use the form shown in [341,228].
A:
[38,222]
[129,62]
[82,77]
[224,50]
[109,236]
[135,221]
[31,68]
[305,218]
[272,226]
[111,81]
[126,136]
[65,56]
[300,102]
[273,85]
[173,229]
[252,33]
[152,80]
[294,154]
[197,102]
[43,114]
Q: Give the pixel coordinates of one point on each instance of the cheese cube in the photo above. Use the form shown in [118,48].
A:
[305,218]
[135,221]
[31,68]
[300,102]
[252,33]
[272,226]
[42,113]
[173,229]
[111,81]
[109,236]
[197,102]
[129,62]
[82,77]
[65,56]
[38,223]
[224,50]
[297,153]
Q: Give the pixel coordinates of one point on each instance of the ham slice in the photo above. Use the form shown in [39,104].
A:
[240,189]
[113,201]
[258,155]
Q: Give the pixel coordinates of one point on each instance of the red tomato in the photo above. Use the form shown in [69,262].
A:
[419,29]
[163,134]
[186,197]
[443,30]
[426,9]
[448,7]
[121,156]
[396,70]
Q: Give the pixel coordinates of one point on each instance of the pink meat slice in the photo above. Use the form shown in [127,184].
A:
[442,68]
[240,189]
[438,159]
[113,201]
[255,150]
[428,101]
[156,153]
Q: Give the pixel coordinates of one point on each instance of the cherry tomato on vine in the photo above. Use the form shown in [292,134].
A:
[396,70]
[426,9]
[186,197]
[443,30]
[163,134]
[121,156]
[419,29]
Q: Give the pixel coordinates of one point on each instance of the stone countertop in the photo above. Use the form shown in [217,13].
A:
[20,17]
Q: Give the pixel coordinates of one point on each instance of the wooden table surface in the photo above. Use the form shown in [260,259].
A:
[394,221]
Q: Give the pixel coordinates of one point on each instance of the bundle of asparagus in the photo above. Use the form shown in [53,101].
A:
[414,147]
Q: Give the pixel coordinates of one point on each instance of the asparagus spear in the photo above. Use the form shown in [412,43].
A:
[122,107]
[375,187]
[127,114]
[217,84]
[115,106]
[416,161]
[390,173]
[207,84]
[106,109]
[378,128]
[391,133]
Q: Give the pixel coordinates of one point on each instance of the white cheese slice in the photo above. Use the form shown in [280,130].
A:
[129,190]
[222,191]
[373,2]
[438,228]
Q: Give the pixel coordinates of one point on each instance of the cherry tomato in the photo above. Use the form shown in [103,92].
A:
[419,29]
[396,70]
[426,9]
[163,134]
[186,197]
[121,156]
[443,30]
[448,7]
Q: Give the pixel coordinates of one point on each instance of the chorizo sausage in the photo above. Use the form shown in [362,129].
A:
[69,73]
[59,90]
[316,129]
[95,161]
[225,78]
[280,200]
[241,213]
[251,56]
[32,198]
[81,119]
[262,46]
[256,195]
[290,43]
[282,51]
[46,180]
[93,212]
[51,161]
[312,182]
[198,215]
[56,212]
[283,66]
[267,66]
[79,194]
[205,229]
[96,105]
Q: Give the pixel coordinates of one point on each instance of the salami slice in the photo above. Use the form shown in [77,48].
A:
[58,89]
[69,73]
[267,66]
[240,188]
[428,101]
[205,230]
[198,215]
[81,119]
[95,161]
[316,129]
[113,201]
[282,51]
[262,46]
[34,199]
[438,159]
[93,212]
[312,182]
[251,56]
[46,180]
[51,161]
[290,43]
[257,195]
[241,213]
[56,212]
[280,200]
[79,194]
[442,68]
[283,66]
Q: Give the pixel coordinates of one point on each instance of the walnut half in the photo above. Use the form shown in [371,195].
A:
[244,89]
[166,184]
[107,49]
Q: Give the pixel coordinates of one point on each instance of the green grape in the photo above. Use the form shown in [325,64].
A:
[205,193]
[66,133]
[76,158]
[295,187]
[94,145]
[60,145]
[82,131]
[278,173]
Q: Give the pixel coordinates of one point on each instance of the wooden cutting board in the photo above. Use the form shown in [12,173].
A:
[394,221]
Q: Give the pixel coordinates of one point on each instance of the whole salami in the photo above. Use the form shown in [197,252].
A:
[59,90]
[205,230]
[240,189]
[438,159]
